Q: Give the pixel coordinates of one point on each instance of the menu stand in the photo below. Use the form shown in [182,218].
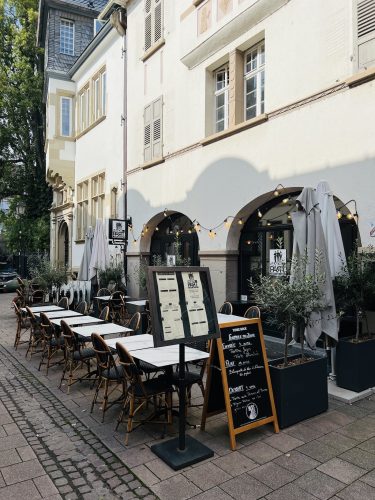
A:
[184,450]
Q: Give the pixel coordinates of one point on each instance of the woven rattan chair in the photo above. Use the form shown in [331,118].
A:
[36,337]
[135,323]
[81,307]
[23,325]
[102,292]
[37,297]
[76,356]
[226,308]
[252,312]
[108,372]
[116,307]
[21,297]
[104,315]
[64,303]
[139,393]
[52,343]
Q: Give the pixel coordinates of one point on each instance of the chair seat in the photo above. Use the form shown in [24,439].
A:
[57,342]
[190,378]
[153,386]
[147,367]
[114,373]
[84,354]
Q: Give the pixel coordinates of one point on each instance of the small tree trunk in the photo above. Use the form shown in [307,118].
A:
[286,339]
[357,310]
[302,340]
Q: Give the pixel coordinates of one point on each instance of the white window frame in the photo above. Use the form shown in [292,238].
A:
[97,197]
[82,208]
[222,91]
[257,72]
[63,49]
[153,23]
[84,108]
[70,100]
[103,91]
[153,123]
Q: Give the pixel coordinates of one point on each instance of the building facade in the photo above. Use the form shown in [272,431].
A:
[232,107]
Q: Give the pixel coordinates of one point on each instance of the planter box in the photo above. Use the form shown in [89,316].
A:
[355,365]
[300,391]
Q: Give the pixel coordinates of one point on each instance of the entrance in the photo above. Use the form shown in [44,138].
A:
[63,245]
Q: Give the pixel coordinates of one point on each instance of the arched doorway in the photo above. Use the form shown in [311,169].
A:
[63,245]
[175,233]
[270,227]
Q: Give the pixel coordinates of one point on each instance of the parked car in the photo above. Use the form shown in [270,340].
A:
[8,278]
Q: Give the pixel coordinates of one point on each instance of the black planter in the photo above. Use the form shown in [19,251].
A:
[355,364]
[300,391]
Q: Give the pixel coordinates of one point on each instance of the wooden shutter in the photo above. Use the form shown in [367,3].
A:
[148,24]
[365,17]
[147,133]
[157,128]
[158,20]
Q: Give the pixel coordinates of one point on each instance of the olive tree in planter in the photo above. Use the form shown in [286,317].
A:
[49,276]
[299,381]
[111,277]
[354,291]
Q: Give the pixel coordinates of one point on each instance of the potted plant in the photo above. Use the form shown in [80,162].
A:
[354,293]
[47,275]
[111,277]
[299,381]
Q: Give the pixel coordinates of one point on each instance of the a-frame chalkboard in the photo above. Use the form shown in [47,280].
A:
[238,379]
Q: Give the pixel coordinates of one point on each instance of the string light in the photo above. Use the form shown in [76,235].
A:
[157,228]
[277,189]
[339,214]
[285,200]
[349,215]
[197,226]
[211,234]
[260,215]
[240,221]
[165,212]
[268,223]
[227,223]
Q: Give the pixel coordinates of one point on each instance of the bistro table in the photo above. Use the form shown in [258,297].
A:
[133,343]
[167,355]
[137,303]
[106,298]
[102,329]
[77,320]
[64,313]
[45,308]
[225,319]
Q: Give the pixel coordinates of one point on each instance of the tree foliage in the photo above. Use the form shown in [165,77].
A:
[22,161]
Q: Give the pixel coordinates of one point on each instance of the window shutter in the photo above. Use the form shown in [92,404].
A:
[158,24]
[157,128]
[366,17]
[147,133]
[148,24]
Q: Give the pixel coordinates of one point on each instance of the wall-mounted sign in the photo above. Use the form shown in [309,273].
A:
[118,231]
[277,262]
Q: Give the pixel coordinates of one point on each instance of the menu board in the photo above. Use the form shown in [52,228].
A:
[182,306]
[238,380]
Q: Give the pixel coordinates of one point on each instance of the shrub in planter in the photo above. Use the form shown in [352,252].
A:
[299,382]
[355,291]
[111,277]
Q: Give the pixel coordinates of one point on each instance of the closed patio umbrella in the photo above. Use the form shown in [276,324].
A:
[309,238]
[100,251]
[83,274]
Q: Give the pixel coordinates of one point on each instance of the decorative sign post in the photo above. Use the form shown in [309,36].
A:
[238,380]
[182,311]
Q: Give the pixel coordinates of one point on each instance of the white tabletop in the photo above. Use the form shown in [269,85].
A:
[229,318]
[102,329]
[133,343]
[168,355]
[65,313]
[108,297]
[43,308]
[137,302]
[77,320]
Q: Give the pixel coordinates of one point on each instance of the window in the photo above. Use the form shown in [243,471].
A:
[104,92]
[153,22]
[97,198]
[366,33]
[254,81]
[84,108]
[114,202]
[66,37]
[66,116]
[153,130]
[82,209]
[221,98]
[96,97]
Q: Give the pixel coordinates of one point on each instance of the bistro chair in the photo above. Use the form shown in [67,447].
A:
[147,313]
[81,307]
[22,284]
[37,297]
[36,337]
[226,308]
[253,312]
[21,297]
[104,315]
[135,323]
[76,356]
[108,372]
[23,326]
[52,343]
[139,393]
[116,306]
[102,292]
[63,302]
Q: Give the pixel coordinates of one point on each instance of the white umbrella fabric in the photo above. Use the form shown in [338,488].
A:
[83,274]
[331,228]
[308,239]
[100,251]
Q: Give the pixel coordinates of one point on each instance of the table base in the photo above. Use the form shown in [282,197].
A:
[177,459]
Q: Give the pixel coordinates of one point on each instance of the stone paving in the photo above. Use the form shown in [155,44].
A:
[52,447]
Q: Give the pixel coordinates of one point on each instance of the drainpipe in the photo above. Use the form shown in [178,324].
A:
[119,21]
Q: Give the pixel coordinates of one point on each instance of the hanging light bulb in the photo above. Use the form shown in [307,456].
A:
[240,221]
[146,230]
[268,223]
[157,228]
[165,212]
[248,242]
[277,189]
[142,233]
[134,242]
[289,216]
[177,234]
[197,226]
[189,230]
[339,214]
[286,200]
[211,234]
[349,216]
[260,215]
[227,223]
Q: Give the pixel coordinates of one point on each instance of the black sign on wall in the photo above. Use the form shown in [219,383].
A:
[238,379]
[118,231]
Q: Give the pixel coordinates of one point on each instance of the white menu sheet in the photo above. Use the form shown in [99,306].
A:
[170,309]
[195,304]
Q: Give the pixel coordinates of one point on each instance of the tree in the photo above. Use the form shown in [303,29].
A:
[22,160]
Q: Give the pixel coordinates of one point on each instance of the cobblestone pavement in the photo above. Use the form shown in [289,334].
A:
[52,447]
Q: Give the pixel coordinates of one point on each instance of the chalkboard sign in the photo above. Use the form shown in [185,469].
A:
[238,380]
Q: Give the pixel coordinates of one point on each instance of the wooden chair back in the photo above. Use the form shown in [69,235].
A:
[252,312]
[226,308]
